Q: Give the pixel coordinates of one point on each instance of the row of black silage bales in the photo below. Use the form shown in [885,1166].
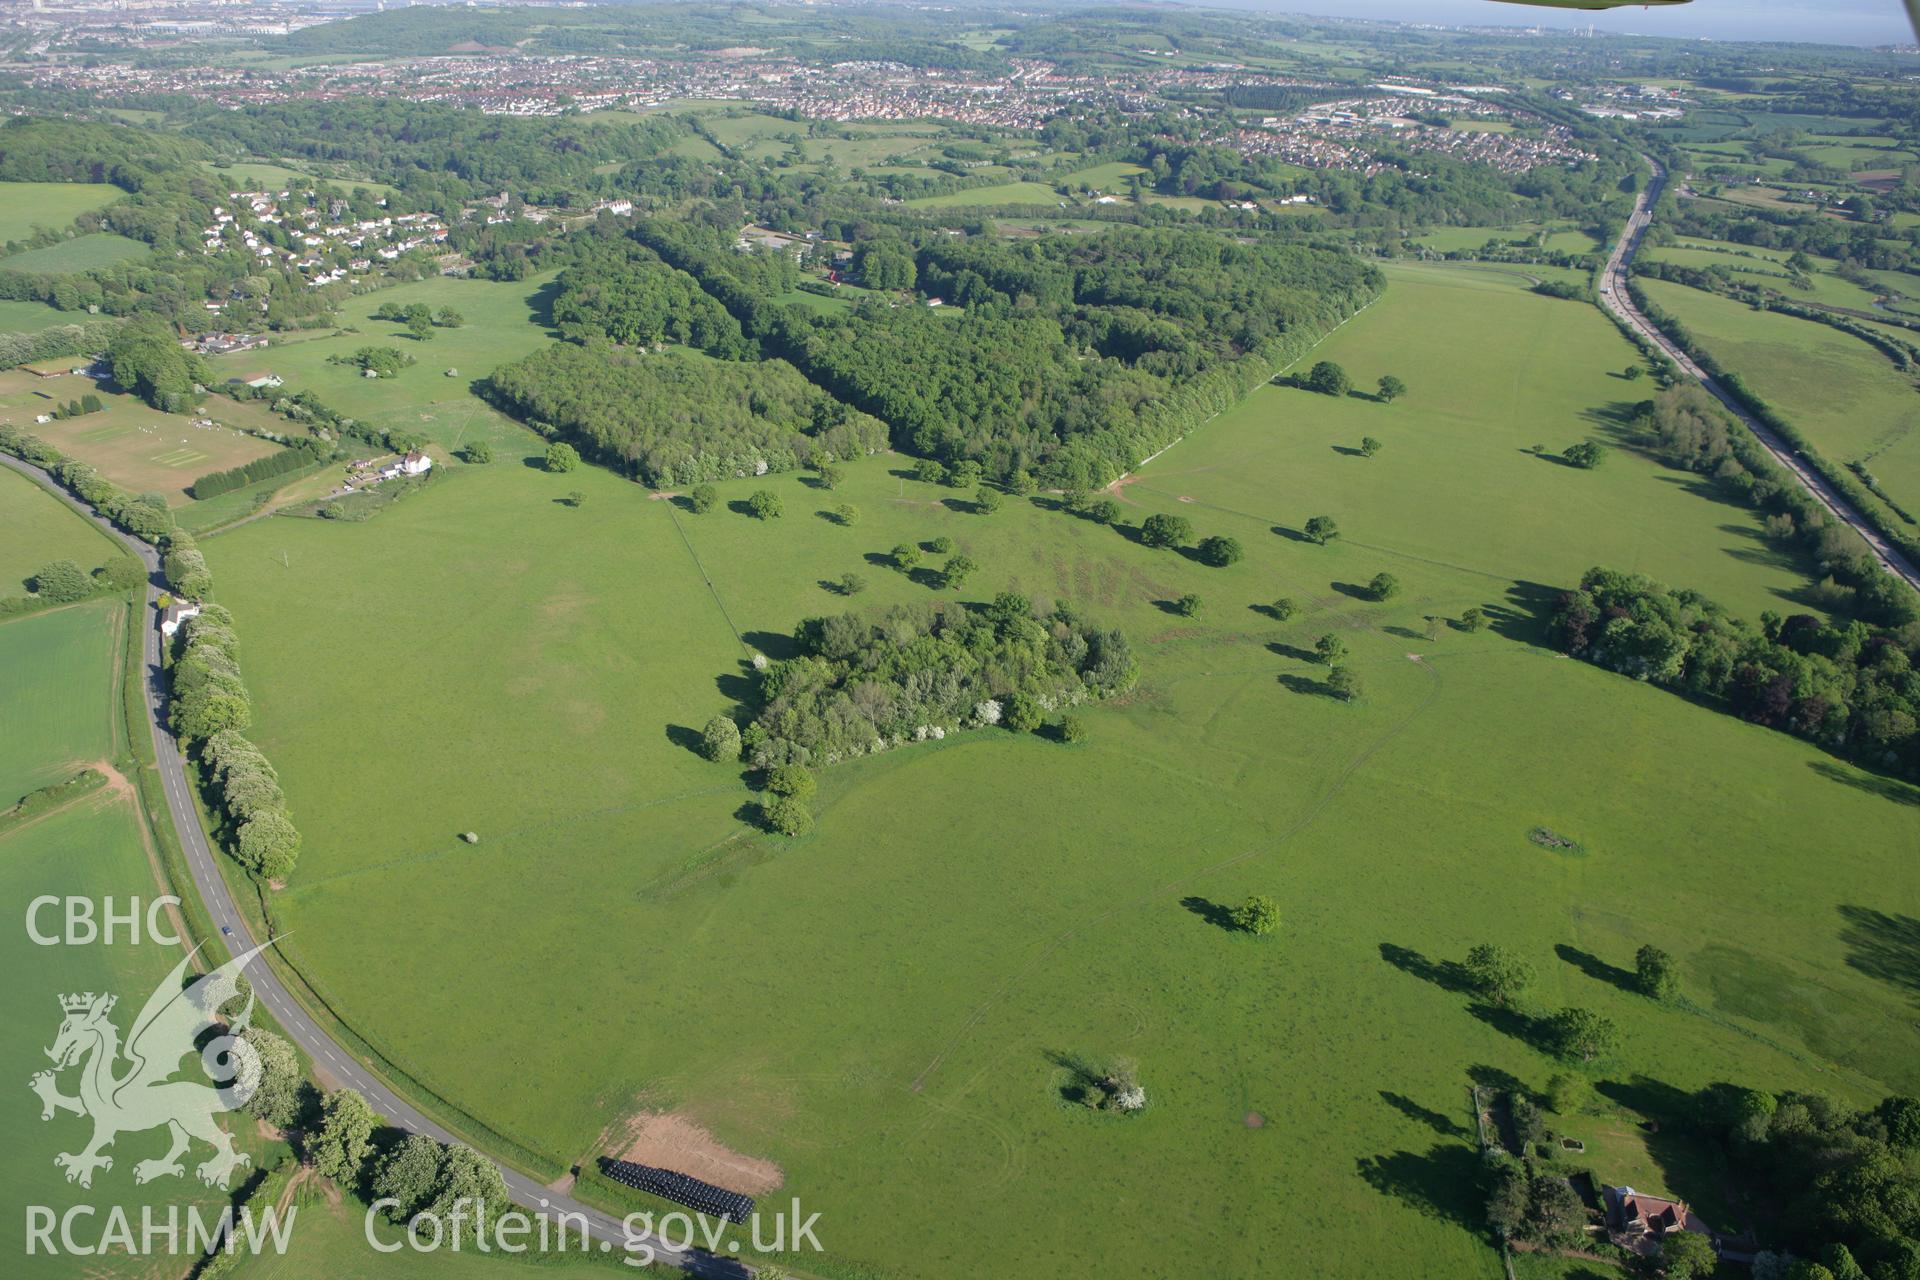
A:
[701,1197]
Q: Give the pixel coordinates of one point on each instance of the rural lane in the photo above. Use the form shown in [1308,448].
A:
[327,1054]
[1614,296]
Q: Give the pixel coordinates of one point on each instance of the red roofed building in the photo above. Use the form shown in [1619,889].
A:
[1639,1222]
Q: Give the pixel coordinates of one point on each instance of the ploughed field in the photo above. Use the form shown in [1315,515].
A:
[883,1008]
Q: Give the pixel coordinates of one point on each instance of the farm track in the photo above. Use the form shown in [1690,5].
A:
[328,1055]
[1614,297]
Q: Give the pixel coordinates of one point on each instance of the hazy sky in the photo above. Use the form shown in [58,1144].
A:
[1825,21]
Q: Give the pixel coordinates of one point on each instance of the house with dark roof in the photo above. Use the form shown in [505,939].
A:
[1639,1222]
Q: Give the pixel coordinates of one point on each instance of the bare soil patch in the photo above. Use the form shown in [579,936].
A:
[670,1140]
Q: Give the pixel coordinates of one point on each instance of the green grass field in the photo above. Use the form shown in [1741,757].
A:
[59,701]
[56,693]
[502,322]
[882,1007]
[82,253]
[32,317]
[1845,395]
[36,529]
[26,205]
[982,197]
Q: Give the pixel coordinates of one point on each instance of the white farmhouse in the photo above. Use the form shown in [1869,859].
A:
[415,463]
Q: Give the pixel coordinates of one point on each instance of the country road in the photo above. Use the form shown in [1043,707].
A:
[1614,296]
[327,1054]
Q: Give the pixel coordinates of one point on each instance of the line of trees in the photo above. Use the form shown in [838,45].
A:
[1849,686]
[278,463]
[210,707]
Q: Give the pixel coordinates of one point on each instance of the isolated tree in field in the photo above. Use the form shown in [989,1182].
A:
[1582,1034]
[846,515]
[1586,455]
[964,474]
[1072,729]
[788,816]
[448,318]
[63,582]
[278,1093]
[929,471]
[1344,684]
[958,570]
[576,498]
[1329,648]
[1282,609]
[410,1175]
[1370,446]
[720,740]
[340,1146]
[1021,483]
[1322,529]
[986,501]
[1187,606]
[1634,373]
[1258,915]
[792,780]
[562,457]
[1105,511]
[702,498]
[477,452]
[1384,586]
[420,325]
[766,505]
[1221,551]
[850,584]
[1473,619]
[829,476]
[1655,973]
[1566,1094]
[904,556]
[1329,379]
[1163,530]
[1391,388]
[1688,1255]
[941,546]
[1497,973]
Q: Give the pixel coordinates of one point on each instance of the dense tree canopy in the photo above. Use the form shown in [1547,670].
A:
[671,420]
[863,684]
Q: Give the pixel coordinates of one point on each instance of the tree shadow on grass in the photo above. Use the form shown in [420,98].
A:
[1404,633]
[1295,652]
[740,507]
[1292,535]
[1348,451]
[1886,788]
[1172,607]
[1214,913]
[1534,1032]
[1525,615]
[682,736]
[1444,1125]
[1445,974]
[931,579]
[1597,969]
[1357,591]
[1883,946]
[776,645]
[1443,1184]
[1304,684]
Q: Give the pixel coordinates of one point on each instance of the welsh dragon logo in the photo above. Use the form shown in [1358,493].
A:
[130,1088]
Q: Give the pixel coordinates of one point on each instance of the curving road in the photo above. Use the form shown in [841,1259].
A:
[1614,296]
[605,1230]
